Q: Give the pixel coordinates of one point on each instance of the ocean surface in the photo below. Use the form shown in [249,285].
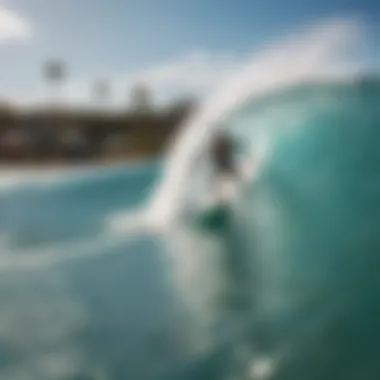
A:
[288,289]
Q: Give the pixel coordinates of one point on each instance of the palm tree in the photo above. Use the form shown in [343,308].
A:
[54,72]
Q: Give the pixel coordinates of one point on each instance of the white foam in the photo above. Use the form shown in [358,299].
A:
[316,53]
[118,229]
[262,368]
[11,178]
[131,222]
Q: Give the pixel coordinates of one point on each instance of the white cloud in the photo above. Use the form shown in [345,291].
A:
[13,27]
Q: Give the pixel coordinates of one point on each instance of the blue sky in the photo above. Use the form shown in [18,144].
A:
[118,38]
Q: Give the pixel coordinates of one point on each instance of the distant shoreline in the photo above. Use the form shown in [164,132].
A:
[74,166]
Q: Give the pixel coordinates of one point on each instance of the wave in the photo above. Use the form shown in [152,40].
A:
[317,53]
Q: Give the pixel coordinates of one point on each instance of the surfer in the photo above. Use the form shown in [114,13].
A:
[225,167]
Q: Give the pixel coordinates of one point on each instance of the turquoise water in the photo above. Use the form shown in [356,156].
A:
[287,290]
